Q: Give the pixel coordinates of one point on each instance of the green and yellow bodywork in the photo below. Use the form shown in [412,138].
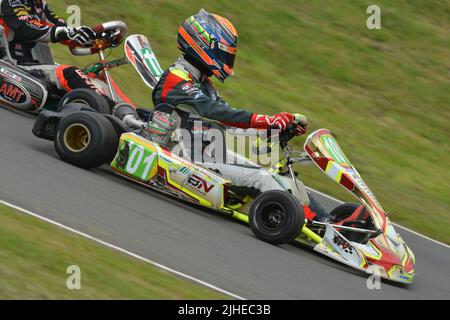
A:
[156,167]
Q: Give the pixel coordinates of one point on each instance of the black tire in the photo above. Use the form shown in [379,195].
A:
[69,108]
[87,97]
[276,217]
[86,139]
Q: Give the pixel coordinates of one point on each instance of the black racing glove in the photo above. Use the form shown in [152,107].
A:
[83,35]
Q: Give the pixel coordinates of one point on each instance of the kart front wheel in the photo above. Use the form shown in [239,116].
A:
[276,217]
[87,97]
[86,139]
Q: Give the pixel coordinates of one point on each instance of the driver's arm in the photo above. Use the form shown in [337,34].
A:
[26,28]
[29,29]
[217,110]
[52,16]
[179,90]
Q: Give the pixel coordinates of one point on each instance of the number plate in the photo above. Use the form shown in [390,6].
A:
[136,159]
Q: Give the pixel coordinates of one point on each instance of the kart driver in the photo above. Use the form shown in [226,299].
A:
[27,22]
[208,43]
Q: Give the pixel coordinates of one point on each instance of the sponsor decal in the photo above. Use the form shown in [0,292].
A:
[16,3]
[199,94]
[199,128]
[10,74]
[185,170]
[191,90]
[199,184]
[21,12]
[164,158]
[342,243]
[25,18]
[150,61]
[35,24]
[13,93]
[123,156]
[335,151]
[87,81]
[360,182]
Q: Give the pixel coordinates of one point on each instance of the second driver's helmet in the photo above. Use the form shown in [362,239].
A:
[210,40]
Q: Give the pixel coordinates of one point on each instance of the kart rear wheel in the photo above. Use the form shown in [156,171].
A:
[276,217]
[87,97]
[86,139]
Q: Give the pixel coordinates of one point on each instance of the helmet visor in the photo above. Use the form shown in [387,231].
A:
[227,54]
[229,60]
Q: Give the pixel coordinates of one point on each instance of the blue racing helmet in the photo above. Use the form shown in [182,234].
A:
[211,40]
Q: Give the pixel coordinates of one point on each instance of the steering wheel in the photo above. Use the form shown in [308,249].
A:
[110,35]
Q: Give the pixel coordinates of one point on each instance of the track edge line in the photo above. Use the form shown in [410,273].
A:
[122,250]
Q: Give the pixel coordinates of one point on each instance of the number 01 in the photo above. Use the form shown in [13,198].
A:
[135,161]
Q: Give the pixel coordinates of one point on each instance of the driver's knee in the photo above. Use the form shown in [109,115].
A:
[70,78]
[261,180]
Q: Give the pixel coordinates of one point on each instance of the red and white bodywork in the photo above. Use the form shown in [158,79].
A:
[386,253]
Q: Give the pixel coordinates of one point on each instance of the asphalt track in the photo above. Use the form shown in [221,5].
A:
[192,240]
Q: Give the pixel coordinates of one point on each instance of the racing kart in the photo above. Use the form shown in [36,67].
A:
[31,92]
[358,235]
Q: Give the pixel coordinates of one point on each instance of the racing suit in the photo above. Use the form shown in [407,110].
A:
[28,22]
[190,97]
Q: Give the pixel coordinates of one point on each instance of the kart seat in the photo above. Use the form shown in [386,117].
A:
[4,46]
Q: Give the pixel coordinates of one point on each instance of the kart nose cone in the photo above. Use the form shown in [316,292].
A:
[399,274]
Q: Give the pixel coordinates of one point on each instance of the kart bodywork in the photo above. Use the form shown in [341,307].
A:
[148,163]
[384,252]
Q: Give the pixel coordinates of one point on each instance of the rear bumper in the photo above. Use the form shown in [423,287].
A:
[46,125]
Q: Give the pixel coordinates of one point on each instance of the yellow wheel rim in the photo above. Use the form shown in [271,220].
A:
[77,137]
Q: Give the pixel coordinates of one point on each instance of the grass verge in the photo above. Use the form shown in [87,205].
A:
[34,257]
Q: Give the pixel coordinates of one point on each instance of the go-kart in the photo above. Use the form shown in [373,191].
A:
[30,91]
[359,236]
